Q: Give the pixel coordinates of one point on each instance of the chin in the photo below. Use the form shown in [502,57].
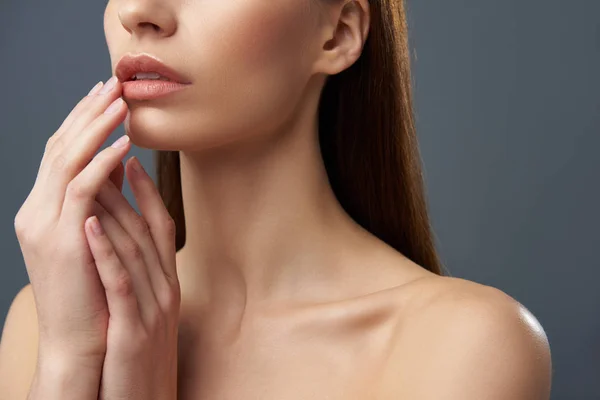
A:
[157,129]
[150,128]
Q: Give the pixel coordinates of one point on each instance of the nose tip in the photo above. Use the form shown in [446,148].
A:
[146,17]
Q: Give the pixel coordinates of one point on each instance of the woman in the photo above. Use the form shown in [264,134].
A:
[286,253]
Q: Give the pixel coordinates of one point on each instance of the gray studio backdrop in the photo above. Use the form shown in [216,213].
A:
[508,114]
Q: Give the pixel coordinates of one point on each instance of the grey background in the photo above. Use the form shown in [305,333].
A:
[508,116]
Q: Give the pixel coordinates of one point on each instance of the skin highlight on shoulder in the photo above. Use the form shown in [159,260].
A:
[463,340]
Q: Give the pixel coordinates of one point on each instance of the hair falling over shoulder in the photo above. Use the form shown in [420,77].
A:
[368,144]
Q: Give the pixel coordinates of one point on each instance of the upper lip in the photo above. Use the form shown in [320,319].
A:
[130,64]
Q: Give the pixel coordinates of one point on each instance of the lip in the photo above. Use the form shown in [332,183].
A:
[131,64]
[150,89]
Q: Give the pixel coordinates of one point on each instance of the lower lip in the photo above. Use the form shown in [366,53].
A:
[148,90]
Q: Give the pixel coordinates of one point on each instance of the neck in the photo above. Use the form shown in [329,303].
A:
[262,223]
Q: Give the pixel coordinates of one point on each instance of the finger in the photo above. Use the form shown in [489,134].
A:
[152,208]
[118,284]
[91,110]
[63,167]
[132,257]
[77,110]
[137,228]
[81,192]
[116,176]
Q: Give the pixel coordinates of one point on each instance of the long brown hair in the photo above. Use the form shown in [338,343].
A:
[368,144]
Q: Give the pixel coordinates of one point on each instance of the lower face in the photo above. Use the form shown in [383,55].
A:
[248,61]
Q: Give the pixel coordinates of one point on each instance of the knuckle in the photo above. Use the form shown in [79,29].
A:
[171,277]
[19,223]
[168,226]
[60,163]
[76,190]
[26,235]
[132,250]
[51,142]
[171,298]
[140,226]
[26,232]
[106,156]
[106,253]
[157,320]
[122,284]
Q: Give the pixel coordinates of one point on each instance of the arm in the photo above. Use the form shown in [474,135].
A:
[22,377]
[470,345]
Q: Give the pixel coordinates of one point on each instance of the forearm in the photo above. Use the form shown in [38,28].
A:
[62,379]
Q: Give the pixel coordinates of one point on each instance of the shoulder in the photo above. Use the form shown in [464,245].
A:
[458,339]
[18,346]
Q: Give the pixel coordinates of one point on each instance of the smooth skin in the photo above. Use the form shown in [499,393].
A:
[278,293]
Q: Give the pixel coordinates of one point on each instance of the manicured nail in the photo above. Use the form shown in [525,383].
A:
[114,107]
[96,227]
[136,165]
[109,85]
[121,142]
[96,88]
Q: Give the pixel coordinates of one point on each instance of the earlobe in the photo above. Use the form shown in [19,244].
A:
[345,37]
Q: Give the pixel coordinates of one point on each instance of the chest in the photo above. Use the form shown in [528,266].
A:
[306,363]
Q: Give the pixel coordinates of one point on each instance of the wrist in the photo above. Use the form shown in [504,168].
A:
[64,377]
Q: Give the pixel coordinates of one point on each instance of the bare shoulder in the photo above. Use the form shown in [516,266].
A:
[457,339]
[18,347]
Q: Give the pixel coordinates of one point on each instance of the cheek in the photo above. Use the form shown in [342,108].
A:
[265,38]
[256,63]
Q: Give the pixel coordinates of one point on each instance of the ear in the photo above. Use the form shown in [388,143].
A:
[343,36]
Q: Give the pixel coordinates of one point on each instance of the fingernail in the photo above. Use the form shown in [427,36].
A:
[121,142]
[96,227]
[95,88]
[137,165]
[109,85]
[114,107]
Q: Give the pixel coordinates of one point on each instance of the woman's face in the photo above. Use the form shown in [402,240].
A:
[248,62]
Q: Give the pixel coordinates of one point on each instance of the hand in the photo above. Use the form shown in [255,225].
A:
[70,300]
[135,258]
